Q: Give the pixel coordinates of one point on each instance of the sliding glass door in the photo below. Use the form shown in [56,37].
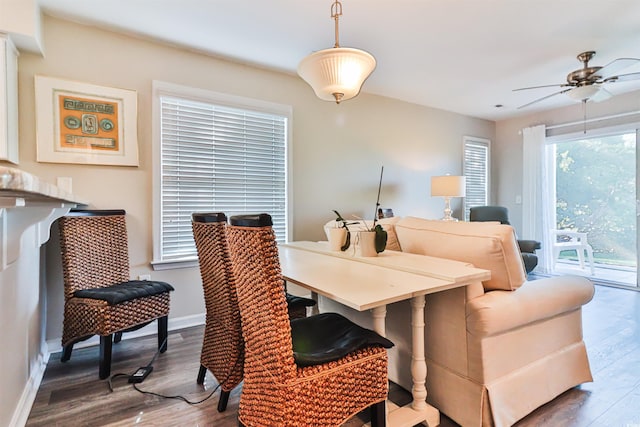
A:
[596,202]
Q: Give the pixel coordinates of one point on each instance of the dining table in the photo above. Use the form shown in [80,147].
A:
[370,284]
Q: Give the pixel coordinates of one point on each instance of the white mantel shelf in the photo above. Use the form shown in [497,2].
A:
[26,200]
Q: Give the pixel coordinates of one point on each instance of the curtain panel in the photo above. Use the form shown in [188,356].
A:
[538,193]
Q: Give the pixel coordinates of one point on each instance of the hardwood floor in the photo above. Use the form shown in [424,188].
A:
[72,395]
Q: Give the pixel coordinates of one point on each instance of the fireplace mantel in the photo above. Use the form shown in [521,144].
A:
[26,200]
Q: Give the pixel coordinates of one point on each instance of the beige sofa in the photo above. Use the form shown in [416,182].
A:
[495,350]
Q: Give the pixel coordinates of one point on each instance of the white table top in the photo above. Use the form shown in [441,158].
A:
[367,282]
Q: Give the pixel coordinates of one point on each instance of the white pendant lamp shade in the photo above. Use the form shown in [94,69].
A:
[337,74]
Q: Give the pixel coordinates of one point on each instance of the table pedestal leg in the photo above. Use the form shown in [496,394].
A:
[379,315]
[419,411]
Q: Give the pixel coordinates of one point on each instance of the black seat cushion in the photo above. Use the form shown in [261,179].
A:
[125,291]
[329,336]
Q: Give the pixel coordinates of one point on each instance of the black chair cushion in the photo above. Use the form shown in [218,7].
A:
[252,220]
[208,217]
[125,291]
[295,301]
[330,336]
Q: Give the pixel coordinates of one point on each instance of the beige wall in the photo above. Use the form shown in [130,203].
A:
[337,150]
[507,147]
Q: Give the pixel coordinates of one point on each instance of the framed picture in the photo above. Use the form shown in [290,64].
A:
[84,123]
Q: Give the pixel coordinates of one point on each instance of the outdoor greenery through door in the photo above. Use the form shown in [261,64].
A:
[596,194]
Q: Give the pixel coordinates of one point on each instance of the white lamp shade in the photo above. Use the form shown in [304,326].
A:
[583,92]
[448,186]
[338,70]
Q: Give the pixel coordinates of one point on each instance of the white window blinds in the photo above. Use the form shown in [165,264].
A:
[215,158]
[476,171]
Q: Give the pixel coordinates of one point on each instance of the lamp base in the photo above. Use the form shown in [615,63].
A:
[447,211]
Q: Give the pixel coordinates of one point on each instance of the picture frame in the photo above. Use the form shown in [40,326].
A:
[85,123]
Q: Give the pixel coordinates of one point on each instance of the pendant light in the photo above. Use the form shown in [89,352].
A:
[337,74]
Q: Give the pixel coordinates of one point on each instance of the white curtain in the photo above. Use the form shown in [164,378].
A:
[538,193]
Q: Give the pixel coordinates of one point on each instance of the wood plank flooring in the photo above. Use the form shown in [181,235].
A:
[72,395]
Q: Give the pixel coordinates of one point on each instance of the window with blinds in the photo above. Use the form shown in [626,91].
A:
[476,171]
[217,158]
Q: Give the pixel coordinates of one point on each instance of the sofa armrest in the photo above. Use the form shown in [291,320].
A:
[499,311]
[529,246]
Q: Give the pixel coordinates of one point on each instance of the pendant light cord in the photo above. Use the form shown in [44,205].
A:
[584,115]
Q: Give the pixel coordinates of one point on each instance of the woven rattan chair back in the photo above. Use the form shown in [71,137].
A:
[263,307]
[222,346]
[94,251]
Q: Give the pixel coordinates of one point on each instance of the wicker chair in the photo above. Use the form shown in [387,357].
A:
[222,345]
[99,298]
[297,373]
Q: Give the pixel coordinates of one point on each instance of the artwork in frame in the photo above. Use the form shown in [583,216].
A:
[85,123]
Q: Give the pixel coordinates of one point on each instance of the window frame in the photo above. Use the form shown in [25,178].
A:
[472,140]
[159,89]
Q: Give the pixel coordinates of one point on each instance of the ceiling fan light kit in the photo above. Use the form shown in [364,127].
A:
[582,93]
[338,73]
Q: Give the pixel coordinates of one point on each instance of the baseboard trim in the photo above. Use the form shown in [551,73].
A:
[23,409]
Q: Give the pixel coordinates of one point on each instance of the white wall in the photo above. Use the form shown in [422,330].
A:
[507,147]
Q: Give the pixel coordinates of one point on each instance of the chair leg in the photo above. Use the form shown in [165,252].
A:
[590,255]
[224,398]
[163,323]
[66,353]
[105,356]
[117,337]
[378,414]
[580,253]
[201,373]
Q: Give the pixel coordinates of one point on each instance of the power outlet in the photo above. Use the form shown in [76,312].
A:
[144,277]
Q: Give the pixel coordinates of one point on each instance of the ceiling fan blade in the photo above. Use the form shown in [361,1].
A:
[543,98]
[616,65]
[601,95]
[622,78]
[539,87]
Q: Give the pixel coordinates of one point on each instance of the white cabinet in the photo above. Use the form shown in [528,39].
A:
[8,100]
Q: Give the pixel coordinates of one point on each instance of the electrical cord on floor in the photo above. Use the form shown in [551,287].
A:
[178,397]
[149,368]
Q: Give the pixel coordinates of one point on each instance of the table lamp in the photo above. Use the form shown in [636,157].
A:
[448,186]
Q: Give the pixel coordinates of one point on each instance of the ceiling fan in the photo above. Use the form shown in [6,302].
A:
[587,83]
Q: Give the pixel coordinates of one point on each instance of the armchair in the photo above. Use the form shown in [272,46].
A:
[501,214]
